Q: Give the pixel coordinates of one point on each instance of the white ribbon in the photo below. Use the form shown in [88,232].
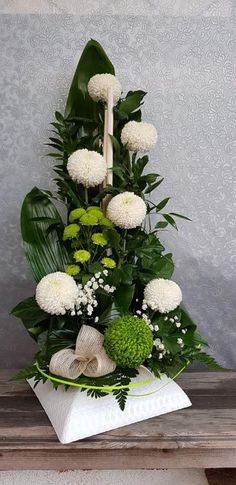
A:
[89,357]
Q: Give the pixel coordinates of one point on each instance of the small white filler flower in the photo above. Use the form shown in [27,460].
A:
[87,167]
[162,295]
[57,293]
[126,210]
[99,84]
[138,136]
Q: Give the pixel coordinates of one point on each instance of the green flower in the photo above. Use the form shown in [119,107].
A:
[95,211]
[76,214]
[72,269]
[108,262]
[82,256]
[99,239]
[71,231]
[105,222]
[88,220]
[128,341]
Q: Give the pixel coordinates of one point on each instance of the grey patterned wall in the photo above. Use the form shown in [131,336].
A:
[186,65]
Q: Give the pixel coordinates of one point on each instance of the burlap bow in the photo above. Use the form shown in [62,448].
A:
[88,358]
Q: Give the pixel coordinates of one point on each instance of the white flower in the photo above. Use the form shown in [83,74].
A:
[163,295]
[56,293]
[87,167]
[99,84]
[139,136]
[126,210]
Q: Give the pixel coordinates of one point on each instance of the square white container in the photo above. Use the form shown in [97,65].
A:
[75,416]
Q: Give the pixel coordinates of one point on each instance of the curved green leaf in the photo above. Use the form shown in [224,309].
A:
[44,252]
[29,311]
[93,61]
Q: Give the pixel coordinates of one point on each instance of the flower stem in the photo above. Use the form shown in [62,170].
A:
[86,195]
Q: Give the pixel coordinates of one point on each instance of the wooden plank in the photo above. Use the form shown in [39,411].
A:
[203,436]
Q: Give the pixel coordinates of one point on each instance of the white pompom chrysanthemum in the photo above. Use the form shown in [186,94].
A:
[138,136]
[99,84]
[56,293]
[126,210]
[87,167]
[162,295]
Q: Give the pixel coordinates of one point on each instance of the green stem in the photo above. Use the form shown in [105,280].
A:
[86,195]
[124,242]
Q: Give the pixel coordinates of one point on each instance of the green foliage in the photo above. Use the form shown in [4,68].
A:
[42,248]
[207,361]
[26,373]
[29,311]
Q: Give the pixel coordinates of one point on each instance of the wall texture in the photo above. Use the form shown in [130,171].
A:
[182,54]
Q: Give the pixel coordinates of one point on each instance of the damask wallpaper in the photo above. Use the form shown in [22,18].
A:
[182,54]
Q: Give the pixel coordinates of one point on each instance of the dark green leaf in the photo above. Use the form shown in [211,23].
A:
[161,225]
[123,297]
[30,311]
[162,204]
[92,61]
[181,216]
[152,187]
[170,220]
[208,361]
[45,254]
[26,373]
[113,238]
[132,101]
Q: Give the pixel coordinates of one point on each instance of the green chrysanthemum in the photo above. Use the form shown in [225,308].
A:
[88,220]
[99,239]
[128,341]
[106,222]
[82,256]
[70,232]
[72,269]
[108,263]
[95,211]
[76,214]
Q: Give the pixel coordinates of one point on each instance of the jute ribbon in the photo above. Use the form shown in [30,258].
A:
[88,358]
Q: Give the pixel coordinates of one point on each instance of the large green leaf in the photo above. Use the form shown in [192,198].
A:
[132,101]
[93,61]
[45,253]
[29,311]
[123,297]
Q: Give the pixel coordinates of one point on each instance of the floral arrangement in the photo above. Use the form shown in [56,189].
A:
[105,301]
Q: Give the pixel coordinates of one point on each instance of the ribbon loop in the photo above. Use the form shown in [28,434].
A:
[89,357]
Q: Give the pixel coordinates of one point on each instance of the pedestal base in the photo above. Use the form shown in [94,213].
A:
[75,416]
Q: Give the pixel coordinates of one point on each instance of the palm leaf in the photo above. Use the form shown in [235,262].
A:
[44,252]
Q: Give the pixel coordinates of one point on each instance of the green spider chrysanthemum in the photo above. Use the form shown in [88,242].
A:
[128,341]
[99,239]
[106,222]
[70,232]
[72,269]
[88,220]
[108,263]
[95,211]
[82,256]
[76,214]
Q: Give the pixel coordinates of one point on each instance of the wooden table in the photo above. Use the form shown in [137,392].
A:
[203,436]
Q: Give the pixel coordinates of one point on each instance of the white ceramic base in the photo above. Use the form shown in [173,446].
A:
[75,416]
